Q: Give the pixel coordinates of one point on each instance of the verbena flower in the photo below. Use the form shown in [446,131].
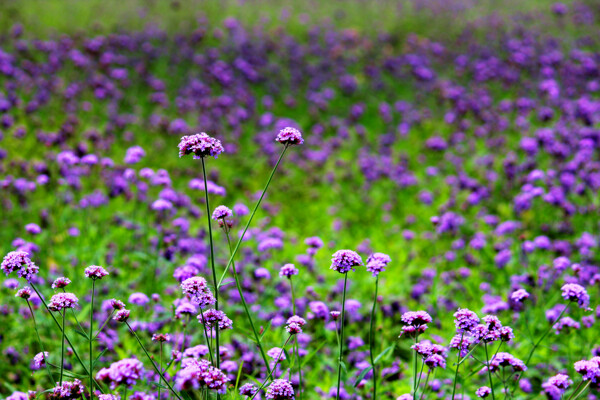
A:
[280,389]
[212,318]
[288,270]
[289,136]
[67,391]
[221,212]
[117,304]
[122,315]
[483,392]
[19,262]
[196,375]
[465,320]
[343,261]
[197,289]
[161,337]
[248,389]
[576,293]
[125,372]
[377,262]
[61,283]
[39,361]
[200,145]
[63,300]
[24,293]
[95,272]
[519,295]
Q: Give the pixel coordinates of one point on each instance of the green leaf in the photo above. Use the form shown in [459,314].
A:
[239,375]
[160,385]
[266,329]
[383,353]
[98,358]
[362,374]
[343,364]
[311,355]
[82,334]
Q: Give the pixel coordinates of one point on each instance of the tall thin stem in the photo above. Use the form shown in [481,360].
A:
[274,367]
[489,370]
[460,344]
[339,378]
[64,334]
[212,259]
[372,339]
[415,371]
[239,242]
[160,366]
[91,373]
[62,347]
[245,305]
[152,361]
[205,328]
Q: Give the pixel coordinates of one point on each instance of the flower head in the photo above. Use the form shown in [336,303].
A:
[197,289]
[200,145]
[125,372]
[67,391]
[19,262]
[289,136]
[288,270]
[63,300]
[122,315]
[24,293]
[483,392]
[60,283]
[280,389]
[248,389]
[213,318]
[221,212]
[343,261]
[576,293]
[377,262]
[95,272]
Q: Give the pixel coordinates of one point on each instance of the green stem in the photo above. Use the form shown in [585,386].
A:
[152,361]
[415,371]
[62,347]
[582,391]
[272,369]
[489,370]
[104,324]
[206,336]
[212,260]
[372,338]
[339,378]
[91,372]
[239,242]
[40,341]
[245,305]
[160,367]
[460,344]
[64,334]
[425,387]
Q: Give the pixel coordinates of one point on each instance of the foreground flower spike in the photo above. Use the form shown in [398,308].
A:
[377,262]
[122,315]
[576,293]
[289,137]
[19,262]
[62,301]
[197,289]
[214,318]
[61,283]
[343,261]
[196,375]
[483,392]
[125,372]
[280,389]
[248,389]
[221,212]
[200,145]
[95,272]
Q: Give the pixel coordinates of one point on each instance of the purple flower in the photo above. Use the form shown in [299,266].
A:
[24,293]
[576,293]
[161,337]
[199,374]
[221,212]
[200,145]
[213,317]
[465,320]
[280,389]
[416,318]
[248,389]
[39,361]
[20,262]
[67,391]
[289,136]
[34,229]
[343,261]
[125,372]
[483,392]
[63,300]
[519,295]
[377,262]
[197,289]
[139,299]
[122,315]
[95,272]
[589,369]
[60,283]
[288,270]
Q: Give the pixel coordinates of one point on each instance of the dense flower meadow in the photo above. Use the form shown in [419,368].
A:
[242,213]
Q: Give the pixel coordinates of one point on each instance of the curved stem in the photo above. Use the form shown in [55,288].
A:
[339,378]
[372,338]
[152,361]
[239,242]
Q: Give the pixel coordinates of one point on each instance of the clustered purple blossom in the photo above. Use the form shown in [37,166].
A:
[67,391]
[125,372]
[576,293]
[248,389]
[60,283]
[483,392]
[212,318]
[198,291]
[24,293]
[377,262]
[289,136]
[200,145]
[95,272]
[63,300]
[589,370]
[19,262]
[344,261]
[503,359]
[39,361]
[221,212]
[555,386]
[200,374]
[416,323]
[288,270]
[280,389]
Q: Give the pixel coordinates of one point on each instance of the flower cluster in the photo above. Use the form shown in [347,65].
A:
[19,262]
[63,300]
[344,261]
[200,374]
[377,262]
[198,291]
[67,391]
[576,293]
[95,272]
[280,389]
[289,136]
[416,323]
[200,145]
[211,318]
[125,372]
